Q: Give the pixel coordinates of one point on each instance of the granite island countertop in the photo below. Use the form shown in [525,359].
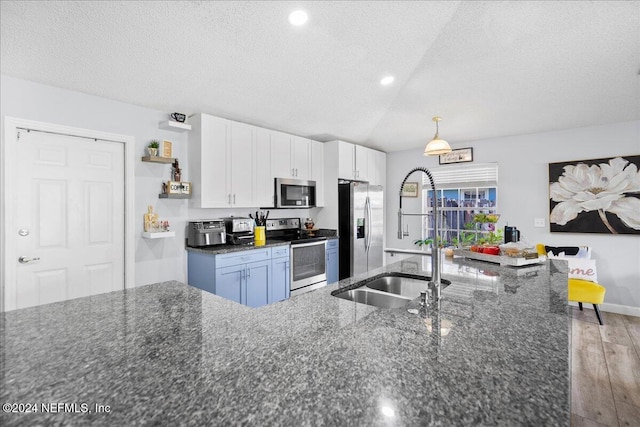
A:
[170,354]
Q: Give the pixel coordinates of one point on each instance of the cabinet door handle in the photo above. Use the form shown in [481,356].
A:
[248,271]
[229,198]
[234,198]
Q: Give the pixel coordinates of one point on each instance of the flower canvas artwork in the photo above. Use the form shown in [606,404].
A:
[595,196]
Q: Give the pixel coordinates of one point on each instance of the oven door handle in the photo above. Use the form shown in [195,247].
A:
[302,245]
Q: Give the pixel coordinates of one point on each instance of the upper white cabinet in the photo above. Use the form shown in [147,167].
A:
[301,157]
[377,167]
[241,182]
[264,185]
[317,170]
[359,163]
[290,156]
[346,160]
[208,159]
[221,158]
[281,154]
[361,169]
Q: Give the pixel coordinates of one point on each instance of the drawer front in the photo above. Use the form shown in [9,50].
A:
[280,252]
[243,257]
[332,243]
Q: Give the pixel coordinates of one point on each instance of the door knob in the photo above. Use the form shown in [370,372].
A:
[25,260]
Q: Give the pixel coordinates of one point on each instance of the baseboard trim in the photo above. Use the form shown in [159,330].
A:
[613,308]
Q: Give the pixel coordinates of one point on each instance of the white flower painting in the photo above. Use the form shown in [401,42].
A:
[595,196]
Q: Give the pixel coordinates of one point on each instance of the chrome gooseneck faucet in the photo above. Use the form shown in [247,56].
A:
[435,264]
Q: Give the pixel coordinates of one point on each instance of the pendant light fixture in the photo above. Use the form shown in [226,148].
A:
[437,146]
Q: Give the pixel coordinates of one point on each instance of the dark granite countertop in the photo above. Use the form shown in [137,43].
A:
[170,354]
[225,249]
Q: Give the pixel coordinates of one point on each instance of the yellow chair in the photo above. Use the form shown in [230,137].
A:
[582,290]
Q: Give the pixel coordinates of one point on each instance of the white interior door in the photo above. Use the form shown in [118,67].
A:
[68,220]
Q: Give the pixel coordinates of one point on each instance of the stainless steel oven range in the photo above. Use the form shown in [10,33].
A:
[308,254]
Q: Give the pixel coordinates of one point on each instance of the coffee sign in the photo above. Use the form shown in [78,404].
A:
[178,187]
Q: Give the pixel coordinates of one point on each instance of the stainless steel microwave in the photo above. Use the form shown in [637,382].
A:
[295,193]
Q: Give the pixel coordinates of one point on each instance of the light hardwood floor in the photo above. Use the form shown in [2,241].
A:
[605,370]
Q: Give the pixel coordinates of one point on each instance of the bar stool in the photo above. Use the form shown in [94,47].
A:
[582,291]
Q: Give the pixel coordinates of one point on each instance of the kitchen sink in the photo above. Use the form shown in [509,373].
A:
[376,298]
[404,286]
[390,291]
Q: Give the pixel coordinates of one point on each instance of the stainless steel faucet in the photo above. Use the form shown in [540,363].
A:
[435,264]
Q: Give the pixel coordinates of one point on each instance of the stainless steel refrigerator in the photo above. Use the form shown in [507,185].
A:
[360,227]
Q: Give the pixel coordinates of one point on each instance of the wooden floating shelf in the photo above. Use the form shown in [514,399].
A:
[174,196]
[158,159]
[175,126]
[158,235]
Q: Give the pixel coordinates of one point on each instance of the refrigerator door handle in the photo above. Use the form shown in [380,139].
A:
[368,215]
[370,225]
[366,221]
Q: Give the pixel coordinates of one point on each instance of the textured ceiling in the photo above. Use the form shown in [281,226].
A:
[488,68]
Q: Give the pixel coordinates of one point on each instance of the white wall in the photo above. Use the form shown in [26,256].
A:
[523,193]
[156,260]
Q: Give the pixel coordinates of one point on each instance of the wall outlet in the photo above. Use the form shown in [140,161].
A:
[538,222]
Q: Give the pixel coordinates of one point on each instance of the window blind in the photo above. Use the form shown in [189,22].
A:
[479,174]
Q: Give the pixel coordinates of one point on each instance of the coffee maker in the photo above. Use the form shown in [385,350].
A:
[511,234]
[239,230]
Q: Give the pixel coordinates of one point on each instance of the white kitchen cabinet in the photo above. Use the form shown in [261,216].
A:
[209,156]
[346,160]
[356,162]
[317,170]
[281,155]
[301,157]
[241,147]
[221,160]
[290,156]
[377,167]
[361,170]
[263,178]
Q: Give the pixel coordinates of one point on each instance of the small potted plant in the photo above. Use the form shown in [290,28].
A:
[429,242]
[152,148]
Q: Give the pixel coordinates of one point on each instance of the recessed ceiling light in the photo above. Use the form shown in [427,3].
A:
[298,17]
[386,80]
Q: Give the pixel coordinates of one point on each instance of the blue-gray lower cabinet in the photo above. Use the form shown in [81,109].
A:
[246,284]
[201,271]
[228,282]
[258,284]
[281,274]
[332,261]
[252,277]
